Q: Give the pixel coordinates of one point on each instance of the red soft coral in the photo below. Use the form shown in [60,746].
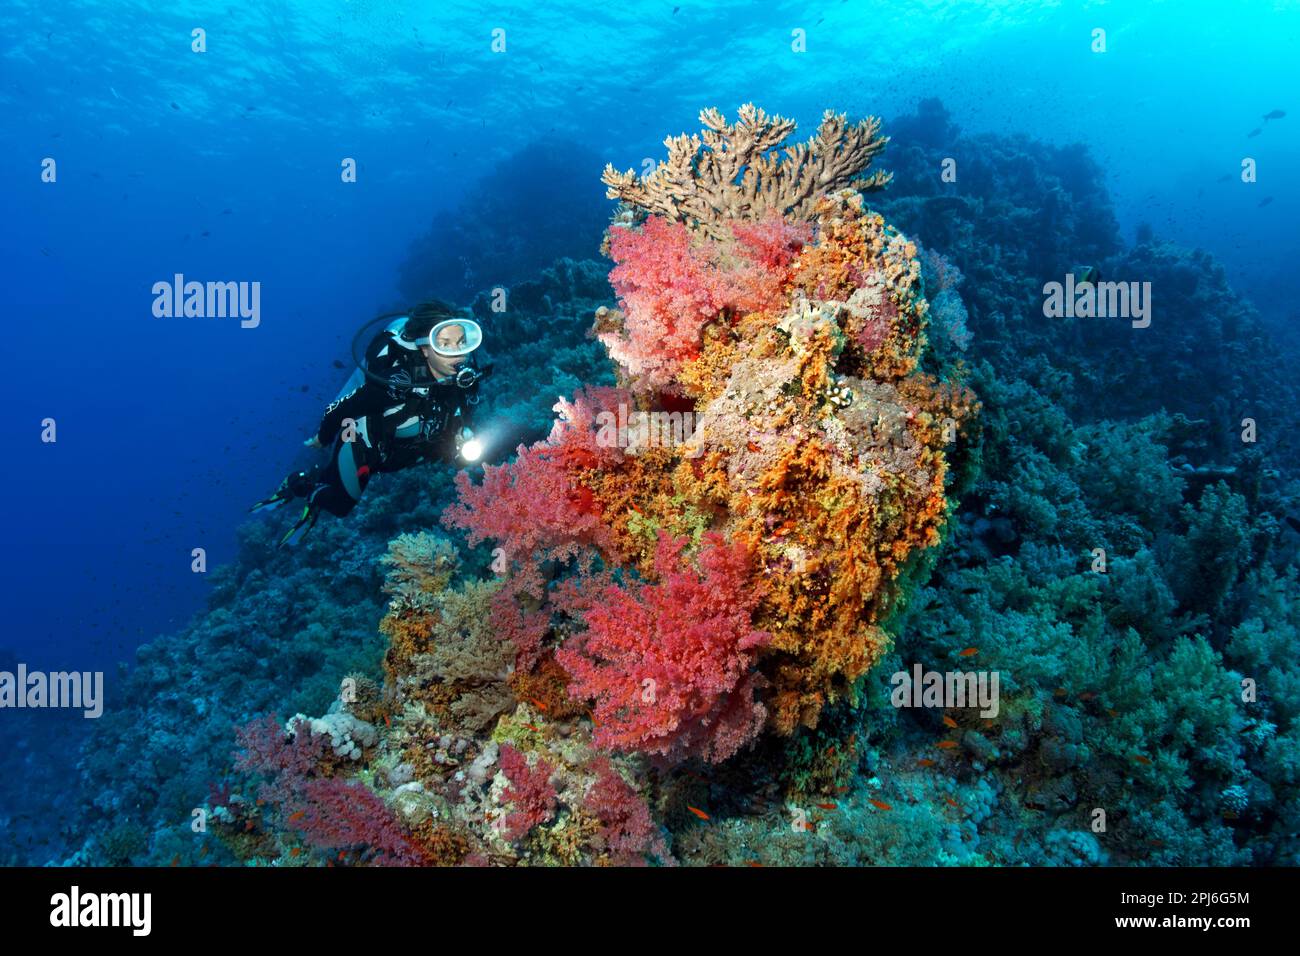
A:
[341,815]
[626,827]
[670,665]
[530,791]
[331,814]
[671,285]
[284,758]
[536,506]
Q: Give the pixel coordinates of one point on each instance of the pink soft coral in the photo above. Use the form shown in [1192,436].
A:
[671,285]
[283,758]
[341,815]
[536,507]
[530,791]
[626,827]
[330,813]
[669,664]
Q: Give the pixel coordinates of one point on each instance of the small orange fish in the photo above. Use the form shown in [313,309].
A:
[295,851]
[946,744]
[881,805]
[969,652]
[261,803]
[297,815]
[204,851]
[248,826]
[1141,759]
[1112,712]
[843,789]
[534,728]
[176,861]
[752,445]
[949,722]
[698,812]
[537,703]
[830,751]
[388,721]
[926,762]
[753,863]
[951,802]
[827,806]
[784,529]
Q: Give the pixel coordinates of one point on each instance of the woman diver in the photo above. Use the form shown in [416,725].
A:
[411,399]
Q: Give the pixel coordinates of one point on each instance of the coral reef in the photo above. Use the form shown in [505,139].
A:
[792,543]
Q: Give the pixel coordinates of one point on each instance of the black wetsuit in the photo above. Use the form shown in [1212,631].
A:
[374,427]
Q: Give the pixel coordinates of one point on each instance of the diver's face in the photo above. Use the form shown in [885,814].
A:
[450,338]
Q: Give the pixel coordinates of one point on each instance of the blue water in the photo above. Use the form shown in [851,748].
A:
[225,165]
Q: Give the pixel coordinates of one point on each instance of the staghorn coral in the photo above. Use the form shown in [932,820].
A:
[733,171]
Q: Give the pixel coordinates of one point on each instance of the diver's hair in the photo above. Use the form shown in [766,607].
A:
[425,316]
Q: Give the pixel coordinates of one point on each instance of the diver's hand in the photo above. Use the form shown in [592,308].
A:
[313,442]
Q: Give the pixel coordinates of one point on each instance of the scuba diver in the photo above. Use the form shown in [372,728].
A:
[410,400]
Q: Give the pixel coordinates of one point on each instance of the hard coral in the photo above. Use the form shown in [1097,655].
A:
[744,171]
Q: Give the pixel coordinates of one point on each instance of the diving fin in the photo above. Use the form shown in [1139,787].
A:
[305,523]
[268,504]
[297,485]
